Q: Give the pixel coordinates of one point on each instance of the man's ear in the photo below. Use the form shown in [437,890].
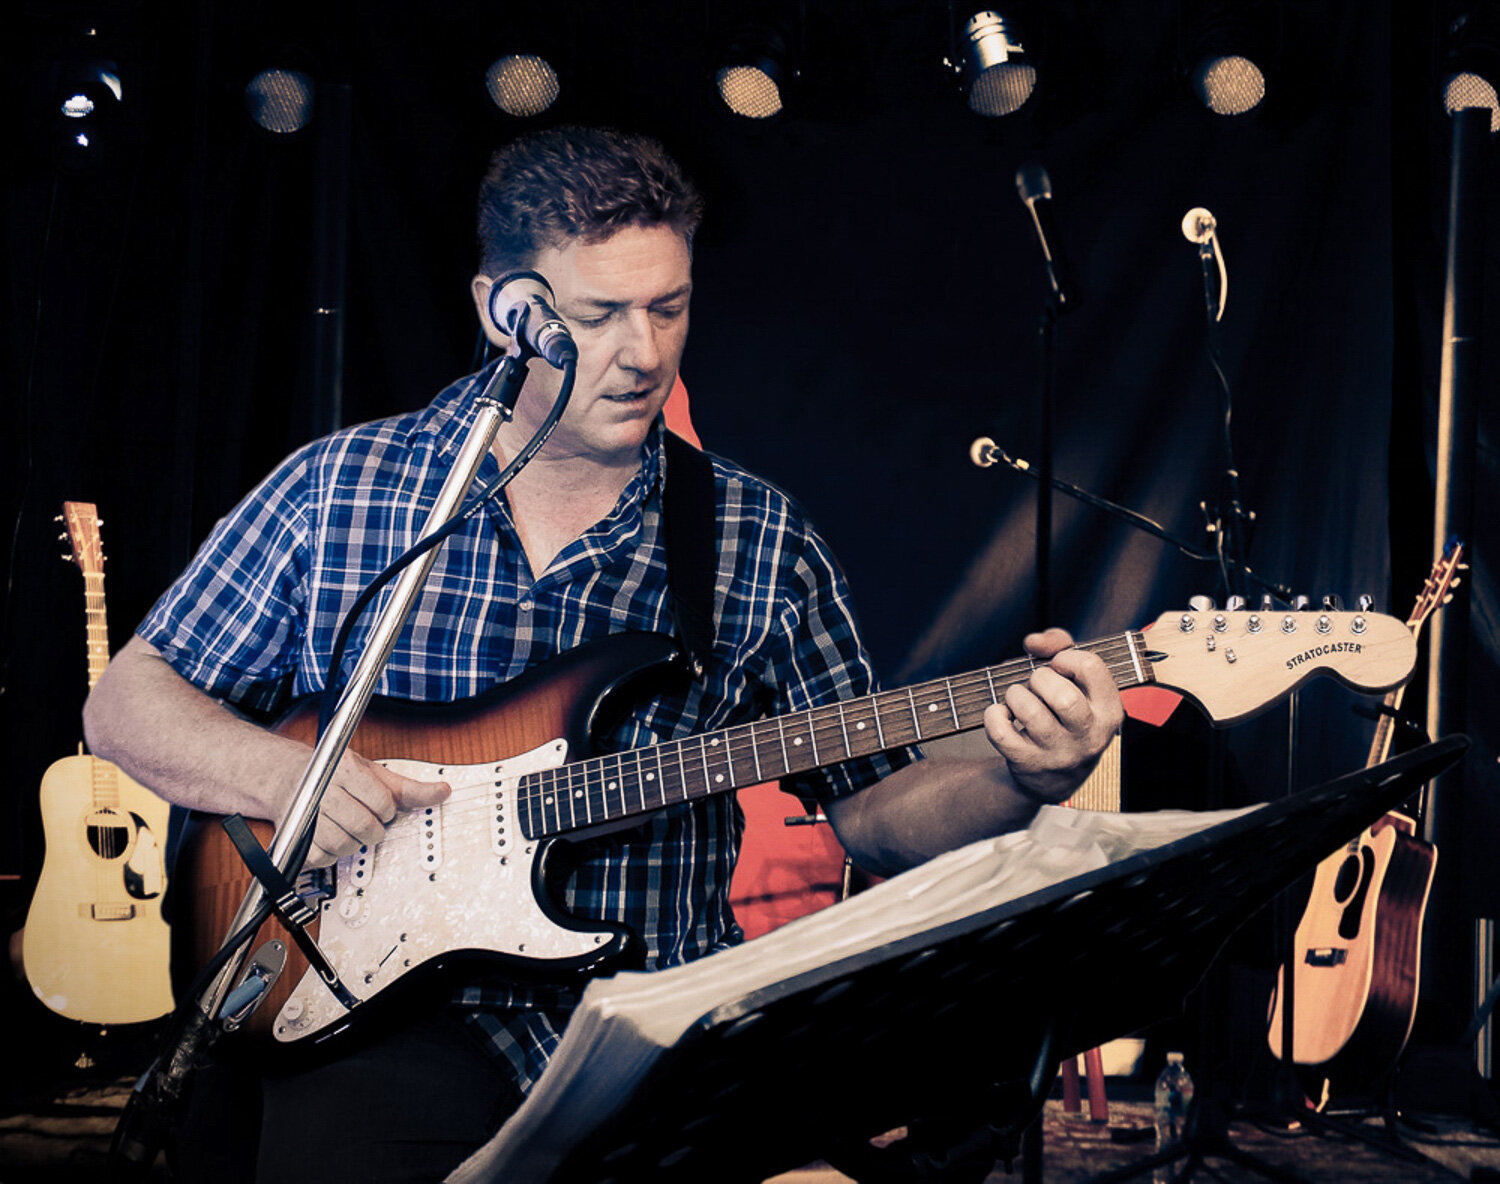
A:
[479,289]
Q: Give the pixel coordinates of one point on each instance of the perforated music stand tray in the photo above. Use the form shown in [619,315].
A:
[952,1017]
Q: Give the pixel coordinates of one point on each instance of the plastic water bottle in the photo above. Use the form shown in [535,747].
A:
[1174,1091]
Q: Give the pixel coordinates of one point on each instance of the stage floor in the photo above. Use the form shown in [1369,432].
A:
[66,1142]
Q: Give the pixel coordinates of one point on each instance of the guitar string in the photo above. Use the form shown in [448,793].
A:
[532,793]
[476,801]
[604,773]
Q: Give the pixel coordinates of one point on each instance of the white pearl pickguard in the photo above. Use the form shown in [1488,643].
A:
[454,877]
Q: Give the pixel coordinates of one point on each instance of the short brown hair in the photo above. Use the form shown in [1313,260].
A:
[548,187]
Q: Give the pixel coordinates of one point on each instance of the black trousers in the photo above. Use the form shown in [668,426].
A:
[408,1107]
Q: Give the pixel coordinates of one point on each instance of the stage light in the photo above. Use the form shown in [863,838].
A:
[755,73]
[1227,50]
[995,67]
[522,85]
[281,100]
[1471,66]
[86,114]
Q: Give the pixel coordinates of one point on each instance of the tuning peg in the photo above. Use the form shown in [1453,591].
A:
[1234,604]
[1332,604]
[1202,604]
[62,538]
[1267,602]
[1301,604]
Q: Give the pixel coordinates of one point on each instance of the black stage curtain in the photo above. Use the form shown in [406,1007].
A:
[868,294]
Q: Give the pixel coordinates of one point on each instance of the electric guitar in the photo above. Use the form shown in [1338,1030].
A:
[95,947]
[1359,943]
[466,882]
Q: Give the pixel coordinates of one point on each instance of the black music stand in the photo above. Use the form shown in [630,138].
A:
[957,1031]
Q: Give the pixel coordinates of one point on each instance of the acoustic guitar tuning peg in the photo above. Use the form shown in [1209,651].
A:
[62,538]
[1202,604]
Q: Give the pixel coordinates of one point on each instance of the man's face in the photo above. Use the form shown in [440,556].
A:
[625,299]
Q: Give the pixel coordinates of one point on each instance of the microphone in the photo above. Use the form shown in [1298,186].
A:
[1198,226]
[1201,227]
[1035,188]
[521,308]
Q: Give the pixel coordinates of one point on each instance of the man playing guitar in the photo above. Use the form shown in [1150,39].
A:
[574,552]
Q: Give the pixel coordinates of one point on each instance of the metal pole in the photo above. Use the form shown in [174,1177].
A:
[1453,516]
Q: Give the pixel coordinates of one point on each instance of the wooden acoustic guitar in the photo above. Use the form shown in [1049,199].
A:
[466,882]
[95,947]
[1359,944]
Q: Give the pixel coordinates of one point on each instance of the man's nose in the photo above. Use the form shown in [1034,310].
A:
[639,350]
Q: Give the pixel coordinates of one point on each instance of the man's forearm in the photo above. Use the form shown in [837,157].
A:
[929,807]
[171,737]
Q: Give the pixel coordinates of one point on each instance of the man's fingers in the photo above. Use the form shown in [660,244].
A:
[1048,642]
[415,795]
[409,794]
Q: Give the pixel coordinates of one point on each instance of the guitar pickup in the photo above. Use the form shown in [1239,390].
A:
[1327,956]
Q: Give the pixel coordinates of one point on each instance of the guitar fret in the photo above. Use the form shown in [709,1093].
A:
[952,706]
[916,722]
[786,763]
[844,729]
[755,753]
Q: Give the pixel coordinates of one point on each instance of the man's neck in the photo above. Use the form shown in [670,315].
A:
[555,498]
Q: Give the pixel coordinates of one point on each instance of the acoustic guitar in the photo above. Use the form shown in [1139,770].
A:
[465,883]
[95,947]
[1359,944]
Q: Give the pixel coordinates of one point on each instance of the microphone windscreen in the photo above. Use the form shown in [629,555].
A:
[1198,225]
[1033,183]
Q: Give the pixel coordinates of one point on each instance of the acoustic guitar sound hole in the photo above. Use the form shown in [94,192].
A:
[109,834]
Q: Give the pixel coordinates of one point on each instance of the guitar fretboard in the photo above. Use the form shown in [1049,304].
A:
[602,790]
[97,624]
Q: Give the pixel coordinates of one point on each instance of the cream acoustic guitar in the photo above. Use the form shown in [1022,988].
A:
[1359,945]
[95,947]
[466,883]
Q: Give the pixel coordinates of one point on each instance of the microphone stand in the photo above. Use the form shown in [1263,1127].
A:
[984,452]
[140,1133]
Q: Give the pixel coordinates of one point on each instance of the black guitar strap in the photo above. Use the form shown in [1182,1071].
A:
[690,514]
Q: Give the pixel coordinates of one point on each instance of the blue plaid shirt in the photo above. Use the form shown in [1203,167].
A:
[254,617]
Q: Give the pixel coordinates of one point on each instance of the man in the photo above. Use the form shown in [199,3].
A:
[574,551]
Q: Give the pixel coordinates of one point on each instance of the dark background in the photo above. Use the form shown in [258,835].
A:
[868,294]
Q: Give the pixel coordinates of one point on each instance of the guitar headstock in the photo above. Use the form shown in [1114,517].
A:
[1236,663]
[1438,590]
[82,521]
